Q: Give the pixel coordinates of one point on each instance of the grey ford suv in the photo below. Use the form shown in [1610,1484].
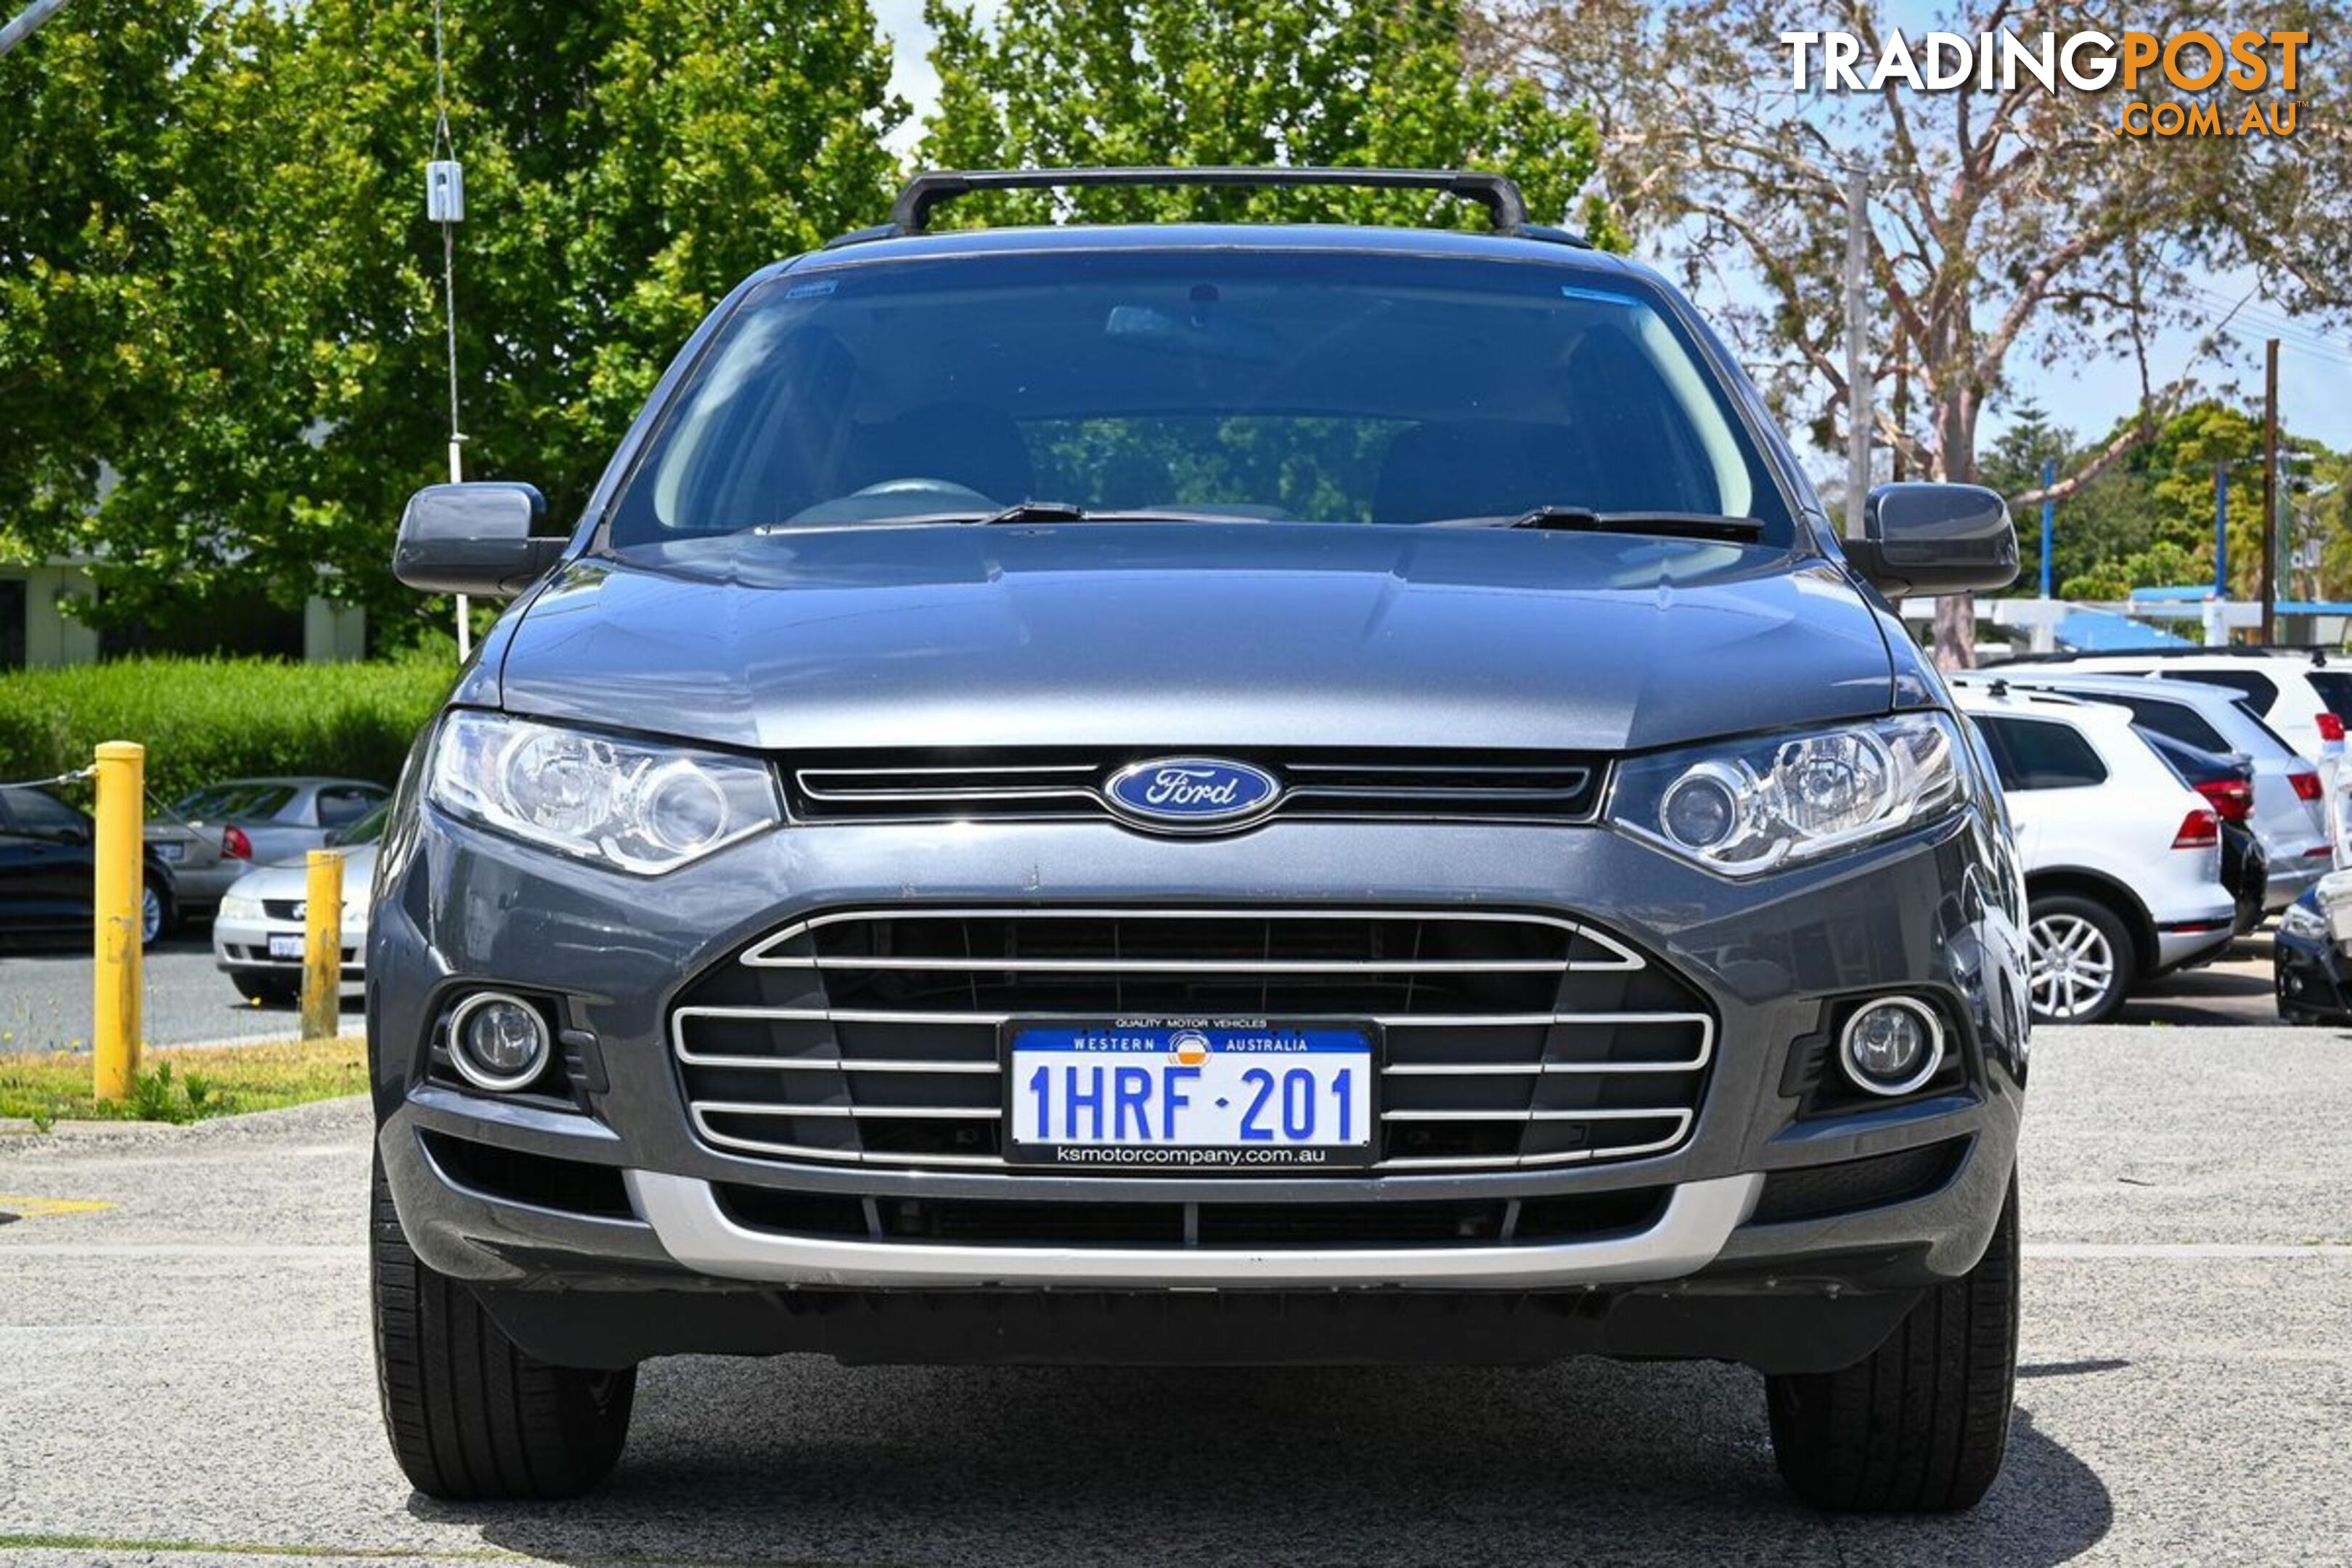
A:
[1200,793]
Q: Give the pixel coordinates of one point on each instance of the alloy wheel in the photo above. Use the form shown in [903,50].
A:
[150,915]
[2070,966]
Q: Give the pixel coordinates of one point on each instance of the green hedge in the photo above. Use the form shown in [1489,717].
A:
[202,719]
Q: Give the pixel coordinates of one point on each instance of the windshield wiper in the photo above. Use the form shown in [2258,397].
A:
[1662,524]
[1063,512]
[1036,511]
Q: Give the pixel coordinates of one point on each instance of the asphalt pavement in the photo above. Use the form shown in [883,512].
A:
[184,1378]
[45,999]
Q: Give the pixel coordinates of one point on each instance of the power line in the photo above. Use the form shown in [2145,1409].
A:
[2273,322]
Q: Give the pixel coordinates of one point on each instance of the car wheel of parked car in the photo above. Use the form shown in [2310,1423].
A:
[2079,960]
[154,914]
[471,1414]
[263,986]
[1921,1426]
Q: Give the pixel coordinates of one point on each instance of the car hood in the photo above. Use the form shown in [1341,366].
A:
[1199,635]
[290,879]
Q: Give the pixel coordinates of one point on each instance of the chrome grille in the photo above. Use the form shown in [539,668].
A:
[1423,786]
[1506,1039]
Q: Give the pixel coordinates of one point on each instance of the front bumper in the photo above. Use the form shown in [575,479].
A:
[673,1270]
[242,946]
[2309,975]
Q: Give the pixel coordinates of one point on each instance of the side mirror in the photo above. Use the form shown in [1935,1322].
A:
[473,539]
[1932,539]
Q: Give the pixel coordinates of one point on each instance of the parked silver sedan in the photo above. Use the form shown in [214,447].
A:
[258,933]
[224,830]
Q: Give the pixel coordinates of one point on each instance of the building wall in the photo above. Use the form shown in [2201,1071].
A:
[332,633]
[51,637]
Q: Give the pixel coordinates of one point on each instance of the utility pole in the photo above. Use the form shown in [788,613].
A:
[1858,412]
[1902,469]
[2049,521]
[2270,488]
[2221,530]
[444,204]
[27,22]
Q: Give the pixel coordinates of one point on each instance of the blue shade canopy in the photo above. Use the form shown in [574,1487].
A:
[2103,631]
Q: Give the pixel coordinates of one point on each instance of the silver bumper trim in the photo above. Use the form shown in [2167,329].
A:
[692,1227]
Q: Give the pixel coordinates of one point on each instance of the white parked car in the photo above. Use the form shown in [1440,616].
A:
[258,935]
[2296,691]
[2123,860]
[2289,814]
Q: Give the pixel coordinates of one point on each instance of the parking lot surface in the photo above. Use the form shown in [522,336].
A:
[45,1000]
[189,1368]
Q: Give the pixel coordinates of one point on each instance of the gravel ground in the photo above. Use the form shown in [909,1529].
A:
[185,1374]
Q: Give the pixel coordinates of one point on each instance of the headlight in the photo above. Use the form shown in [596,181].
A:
[2303,924]
[237,907]
[640,806]
[1741,807]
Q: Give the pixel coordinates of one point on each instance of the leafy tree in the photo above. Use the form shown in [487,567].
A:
[2180,466]
[1337,82]
[85,110]
[2014,467]
[264,361]
[2016,221]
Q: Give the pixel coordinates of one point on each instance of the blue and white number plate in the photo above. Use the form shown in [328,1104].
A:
[1211,1094]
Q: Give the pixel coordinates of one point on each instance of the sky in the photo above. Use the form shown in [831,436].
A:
[2086,398]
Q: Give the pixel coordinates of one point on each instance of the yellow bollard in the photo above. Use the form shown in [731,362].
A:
[322,947]
[121,879]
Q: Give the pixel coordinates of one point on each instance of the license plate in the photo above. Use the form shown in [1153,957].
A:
[286,947]
[1155,1094]
[168,850]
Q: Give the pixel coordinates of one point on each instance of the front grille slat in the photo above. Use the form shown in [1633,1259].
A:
[1507,1039]
[1415,784]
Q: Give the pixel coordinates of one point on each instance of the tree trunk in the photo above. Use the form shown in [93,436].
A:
[1955,463]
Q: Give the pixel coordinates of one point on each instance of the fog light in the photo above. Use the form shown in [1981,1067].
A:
[1893,1045]
[499,1042]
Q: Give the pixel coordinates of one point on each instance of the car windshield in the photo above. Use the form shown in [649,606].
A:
[1311,384]
[2334,688]
[239,802]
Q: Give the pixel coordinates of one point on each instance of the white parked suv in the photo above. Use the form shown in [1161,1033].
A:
[2289,814]
[2295,691]
[2123,860]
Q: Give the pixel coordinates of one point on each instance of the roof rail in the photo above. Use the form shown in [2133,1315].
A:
[1497,193]
[2318,656]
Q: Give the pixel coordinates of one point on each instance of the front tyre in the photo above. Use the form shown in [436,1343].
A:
[470,1414]
[1922,1423]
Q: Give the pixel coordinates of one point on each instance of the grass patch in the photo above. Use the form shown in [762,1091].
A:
[184,1085]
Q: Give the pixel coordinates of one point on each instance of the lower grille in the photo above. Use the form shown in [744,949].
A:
[543,1181]
[1507,1039]
[1817,1191]
[1014,1223]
